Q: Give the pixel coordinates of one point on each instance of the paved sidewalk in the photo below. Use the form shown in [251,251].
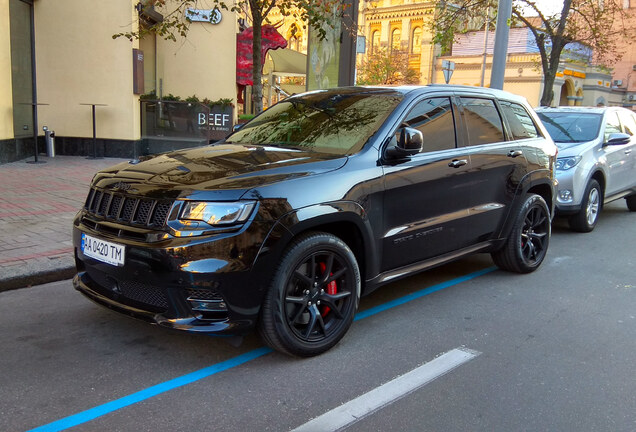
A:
[37,206]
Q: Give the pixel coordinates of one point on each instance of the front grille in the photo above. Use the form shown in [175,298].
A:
[143,293]
[127,210]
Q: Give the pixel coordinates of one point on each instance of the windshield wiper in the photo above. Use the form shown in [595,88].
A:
[296,102]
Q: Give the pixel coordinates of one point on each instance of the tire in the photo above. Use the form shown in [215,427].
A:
[585,220]
[631,202]
[313,296]
[527,243]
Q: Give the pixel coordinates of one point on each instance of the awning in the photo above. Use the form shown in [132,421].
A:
[286,62]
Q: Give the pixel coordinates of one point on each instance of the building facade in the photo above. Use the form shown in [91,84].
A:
[577,81]
[61,55]
[405,25]
[624,72]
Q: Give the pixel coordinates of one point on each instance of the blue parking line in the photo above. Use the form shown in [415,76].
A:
[98,411]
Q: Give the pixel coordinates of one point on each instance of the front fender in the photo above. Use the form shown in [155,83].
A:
[345,219]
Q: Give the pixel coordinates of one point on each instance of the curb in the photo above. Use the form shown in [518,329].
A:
[38,278]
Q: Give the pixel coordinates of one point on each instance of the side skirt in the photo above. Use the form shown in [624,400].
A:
[411,269]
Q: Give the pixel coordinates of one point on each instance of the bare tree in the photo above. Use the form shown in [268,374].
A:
[598,24]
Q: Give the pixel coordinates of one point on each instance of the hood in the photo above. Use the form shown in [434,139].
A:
[227,167]
[574,148]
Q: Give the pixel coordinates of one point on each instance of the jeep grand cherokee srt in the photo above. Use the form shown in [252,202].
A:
[318,200]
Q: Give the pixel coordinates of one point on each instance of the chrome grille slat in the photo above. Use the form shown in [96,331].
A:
[129,209]
[103,204]
[115,205]
[143,212]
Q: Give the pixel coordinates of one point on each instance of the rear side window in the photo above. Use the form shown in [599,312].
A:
[627,119]
[520,122]
[483,123]
[612,125]
[434,118]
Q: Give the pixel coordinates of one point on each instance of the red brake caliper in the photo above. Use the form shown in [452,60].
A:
[332,288]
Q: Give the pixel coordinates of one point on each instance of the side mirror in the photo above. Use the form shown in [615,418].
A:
[618,139]
[409,143]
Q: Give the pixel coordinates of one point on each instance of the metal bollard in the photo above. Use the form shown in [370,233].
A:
[49,139]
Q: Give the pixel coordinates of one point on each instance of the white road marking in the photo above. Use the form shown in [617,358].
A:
[386,394]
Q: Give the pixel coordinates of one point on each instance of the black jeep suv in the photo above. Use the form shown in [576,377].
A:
[320,199]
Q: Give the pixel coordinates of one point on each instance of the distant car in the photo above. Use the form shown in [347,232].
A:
[596,162]
[321,198]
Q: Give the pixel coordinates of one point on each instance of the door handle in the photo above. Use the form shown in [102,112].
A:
[514,153]
[628,151]
[456,163]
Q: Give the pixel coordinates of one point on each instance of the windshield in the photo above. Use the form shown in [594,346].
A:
[571,127]
[326,122]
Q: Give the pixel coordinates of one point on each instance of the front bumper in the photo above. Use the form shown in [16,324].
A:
[570,191]
[164,282]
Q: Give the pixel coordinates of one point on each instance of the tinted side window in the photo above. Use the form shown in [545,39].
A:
[520,122]
[434,118]
[611,125]
[628,121]
[482,121]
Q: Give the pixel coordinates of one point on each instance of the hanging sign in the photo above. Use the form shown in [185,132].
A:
[213,16]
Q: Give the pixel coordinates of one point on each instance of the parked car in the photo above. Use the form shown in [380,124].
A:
[316,201]
[596,163]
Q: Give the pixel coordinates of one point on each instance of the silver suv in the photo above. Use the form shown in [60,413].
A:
[596,163]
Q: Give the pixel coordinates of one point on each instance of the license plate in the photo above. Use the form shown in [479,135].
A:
[103,250]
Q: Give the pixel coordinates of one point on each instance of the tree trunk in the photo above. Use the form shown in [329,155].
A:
[549,74]
[548,89]
[558,43]
[257,71]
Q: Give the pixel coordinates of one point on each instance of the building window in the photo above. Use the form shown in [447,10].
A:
[416,40]
[396,36]
[375,41]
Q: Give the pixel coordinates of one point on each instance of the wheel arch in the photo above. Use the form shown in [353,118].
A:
[599,176]
[545,191]
[345,220]
[536,182]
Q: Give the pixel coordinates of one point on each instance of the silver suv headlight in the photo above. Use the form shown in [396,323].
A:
[565,163]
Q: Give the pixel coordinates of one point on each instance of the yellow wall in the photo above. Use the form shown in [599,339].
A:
[205,63]
[78,61]
[522,76]
[6,104]
[387,15]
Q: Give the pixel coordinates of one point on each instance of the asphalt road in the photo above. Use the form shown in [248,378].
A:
[553,350]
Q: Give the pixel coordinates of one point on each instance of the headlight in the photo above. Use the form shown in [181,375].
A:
[565,163]
[217,213]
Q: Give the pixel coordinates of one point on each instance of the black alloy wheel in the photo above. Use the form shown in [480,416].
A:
[527,244]
[313,297]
